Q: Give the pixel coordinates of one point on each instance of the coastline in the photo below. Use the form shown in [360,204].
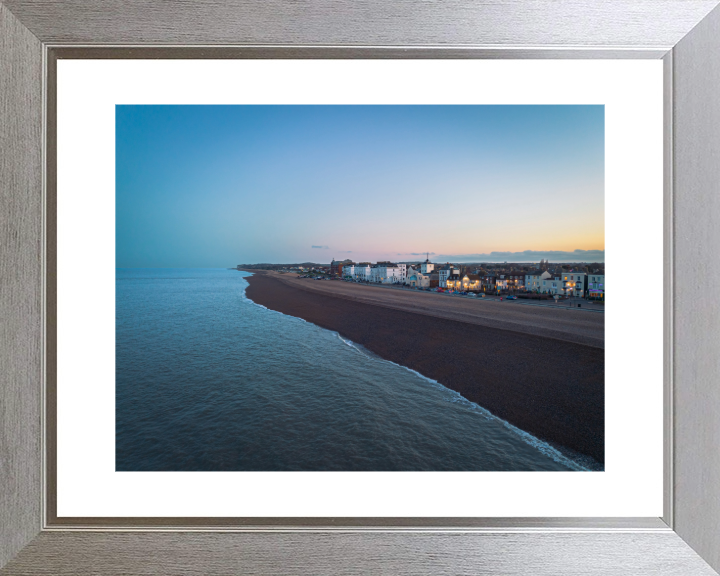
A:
[549,387]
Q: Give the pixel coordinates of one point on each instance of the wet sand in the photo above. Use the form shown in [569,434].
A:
[550,386]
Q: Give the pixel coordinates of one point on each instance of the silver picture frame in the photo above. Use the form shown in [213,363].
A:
[685,34]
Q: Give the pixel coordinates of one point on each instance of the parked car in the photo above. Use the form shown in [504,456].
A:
[512,297]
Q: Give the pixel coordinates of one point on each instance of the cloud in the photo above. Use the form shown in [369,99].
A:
[345,251]
[529,256]
[320,247]
[415,253]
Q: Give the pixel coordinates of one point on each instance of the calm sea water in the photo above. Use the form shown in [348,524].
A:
[208,380]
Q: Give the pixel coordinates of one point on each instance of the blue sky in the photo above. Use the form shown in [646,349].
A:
[216,186]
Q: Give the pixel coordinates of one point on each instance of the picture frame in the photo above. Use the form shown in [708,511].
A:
[685,34]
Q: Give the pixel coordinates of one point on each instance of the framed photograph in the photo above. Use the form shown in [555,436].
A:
[465,360]
[283,294]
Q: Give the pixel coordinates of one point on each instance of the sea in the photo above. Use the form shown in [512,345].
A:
[208,380]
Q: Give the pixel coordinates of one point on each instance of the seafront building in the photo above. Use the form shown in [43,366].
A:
[388,273]
[596,286]
[419,280]
[444,273]
[565,284]
[574,284]
[510,281]
[533,279]
[561,282]
[468,282]
[550,286]
[337,267]
[382,272]
[363,271]
[427,266]
[488,283]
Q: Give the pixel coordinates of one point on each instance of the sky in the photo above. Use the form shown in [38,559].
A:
[217,186]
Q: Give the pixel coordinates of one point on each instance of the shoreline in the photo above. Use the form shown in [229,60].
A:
[551,388]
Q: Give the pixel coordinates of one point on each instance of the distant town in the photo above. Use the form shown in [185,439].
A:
[536,281]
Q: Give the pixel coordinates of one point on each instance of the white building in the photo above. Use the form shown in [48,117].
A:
[398,273]
[362,271]
[384,272]
[388,273]
[444,273]
[533,279]
[427,266]
[550,286]
[596,285]
[574,283]
[419,280]
[452,279]
[565,284]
